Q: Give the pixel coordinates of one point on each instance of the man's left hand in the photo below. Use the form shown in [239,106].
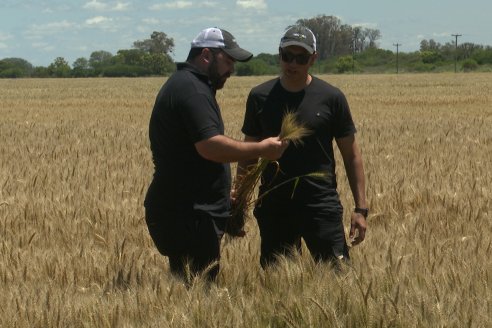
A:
[358,227]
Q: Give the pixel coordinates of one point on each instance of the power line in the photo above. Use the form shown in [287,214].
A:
[455,51]
[397,45]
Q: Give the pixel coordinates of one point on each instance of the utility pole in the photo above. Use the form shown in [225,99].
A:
[354,48]
[397,45]
[353,56]
[455,50]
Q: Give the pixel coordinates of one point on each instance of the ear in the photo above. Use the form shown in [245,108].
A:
[313,59]
[207,55]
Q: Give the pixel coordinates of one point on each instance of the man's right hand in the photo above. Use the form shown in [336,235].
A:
[273,148]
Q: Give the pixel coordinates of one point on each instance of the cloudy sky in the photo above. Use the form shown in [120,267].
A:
[41,30]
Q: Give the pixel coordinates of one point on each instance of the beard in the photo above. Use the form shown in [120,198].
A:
[218,81]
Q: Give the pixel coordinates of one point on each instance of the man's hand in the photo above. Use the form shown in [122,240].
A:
[230,229]
[358,228]
[273,148]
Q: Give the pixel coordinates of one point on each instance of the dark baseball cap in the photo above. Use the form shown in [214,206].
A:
[299,36]
[214,37]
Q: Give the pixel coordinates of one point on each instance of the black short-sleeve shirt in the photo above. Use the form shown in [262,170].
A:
[184,113]
[323,109]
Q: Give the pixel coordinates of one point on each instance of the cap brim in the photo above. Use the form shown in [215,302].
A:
[239,54]
[299,44]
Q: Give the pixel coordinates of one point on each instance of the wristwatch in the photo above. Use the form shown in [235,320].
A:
[363,211]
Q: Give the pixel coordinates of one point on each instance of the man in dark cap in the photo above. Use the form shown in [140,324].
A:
[188,201]
[308,207]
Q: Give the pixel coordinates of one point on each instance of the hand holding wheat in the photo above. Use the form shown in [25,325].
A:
[291,131]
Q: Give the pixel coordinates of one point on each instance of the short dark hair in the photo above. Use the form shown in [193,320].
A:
[195,52]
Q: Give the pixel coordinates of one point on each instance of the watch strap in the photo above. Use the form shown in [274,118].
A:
[363,211]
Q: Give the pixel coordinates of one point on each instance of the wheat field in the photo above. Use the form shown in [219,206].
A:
[75,251]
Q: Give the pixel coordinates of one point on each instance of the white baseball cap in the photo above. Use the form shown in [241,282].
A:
[214,37]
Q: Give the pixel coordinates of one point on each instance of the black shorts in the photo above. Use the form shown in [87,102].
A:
[195,236]
[283,224]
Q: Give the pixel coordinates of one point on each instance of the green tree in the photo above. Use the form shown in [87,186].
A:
[255,67]
[375,57]
[59,68]
[100,59]
[81,67]
[346,64]
[130,57]
[270,60]
[158,43]
[327,31]
[448,51]
[430,45]
[483,56]
[15,67]
[467,49]
[120,70]
[373,35]
[152,54]
[336,39]
[158,63]
[430,57]
[469,65]
[40,71]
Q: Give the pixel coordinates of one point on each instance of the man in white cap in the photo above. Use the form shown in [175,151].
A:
[188,201]
[308,208]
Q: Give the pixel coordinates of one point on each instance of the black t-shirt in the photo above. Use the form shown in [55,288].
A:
[184,113]
[324,110]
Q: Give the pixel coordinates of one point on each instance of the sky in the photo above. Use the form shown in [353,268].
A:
[41,30]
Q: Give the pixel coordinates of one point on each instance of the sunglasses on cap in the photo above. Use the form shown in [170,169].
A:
[288,57]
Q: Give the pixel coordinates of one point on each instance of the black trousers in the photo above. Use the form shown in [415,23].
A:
[191,242]
[283,224]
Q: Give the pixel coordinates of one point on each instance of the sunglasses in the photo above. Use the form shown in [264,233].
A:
[288,57]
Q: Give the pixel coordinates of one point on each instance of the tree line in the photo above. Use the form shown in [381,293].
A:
[341,48]
[147,58]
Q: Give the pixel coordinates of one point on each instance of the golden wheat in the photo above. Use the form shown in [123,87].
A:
[290,130]
[74,249]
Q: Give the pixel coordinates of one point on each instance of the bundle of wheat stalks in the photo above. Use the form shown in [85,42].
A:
[290,130]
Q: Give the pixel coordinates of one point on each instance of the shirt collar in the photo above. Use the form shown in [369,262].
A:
[186,66]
